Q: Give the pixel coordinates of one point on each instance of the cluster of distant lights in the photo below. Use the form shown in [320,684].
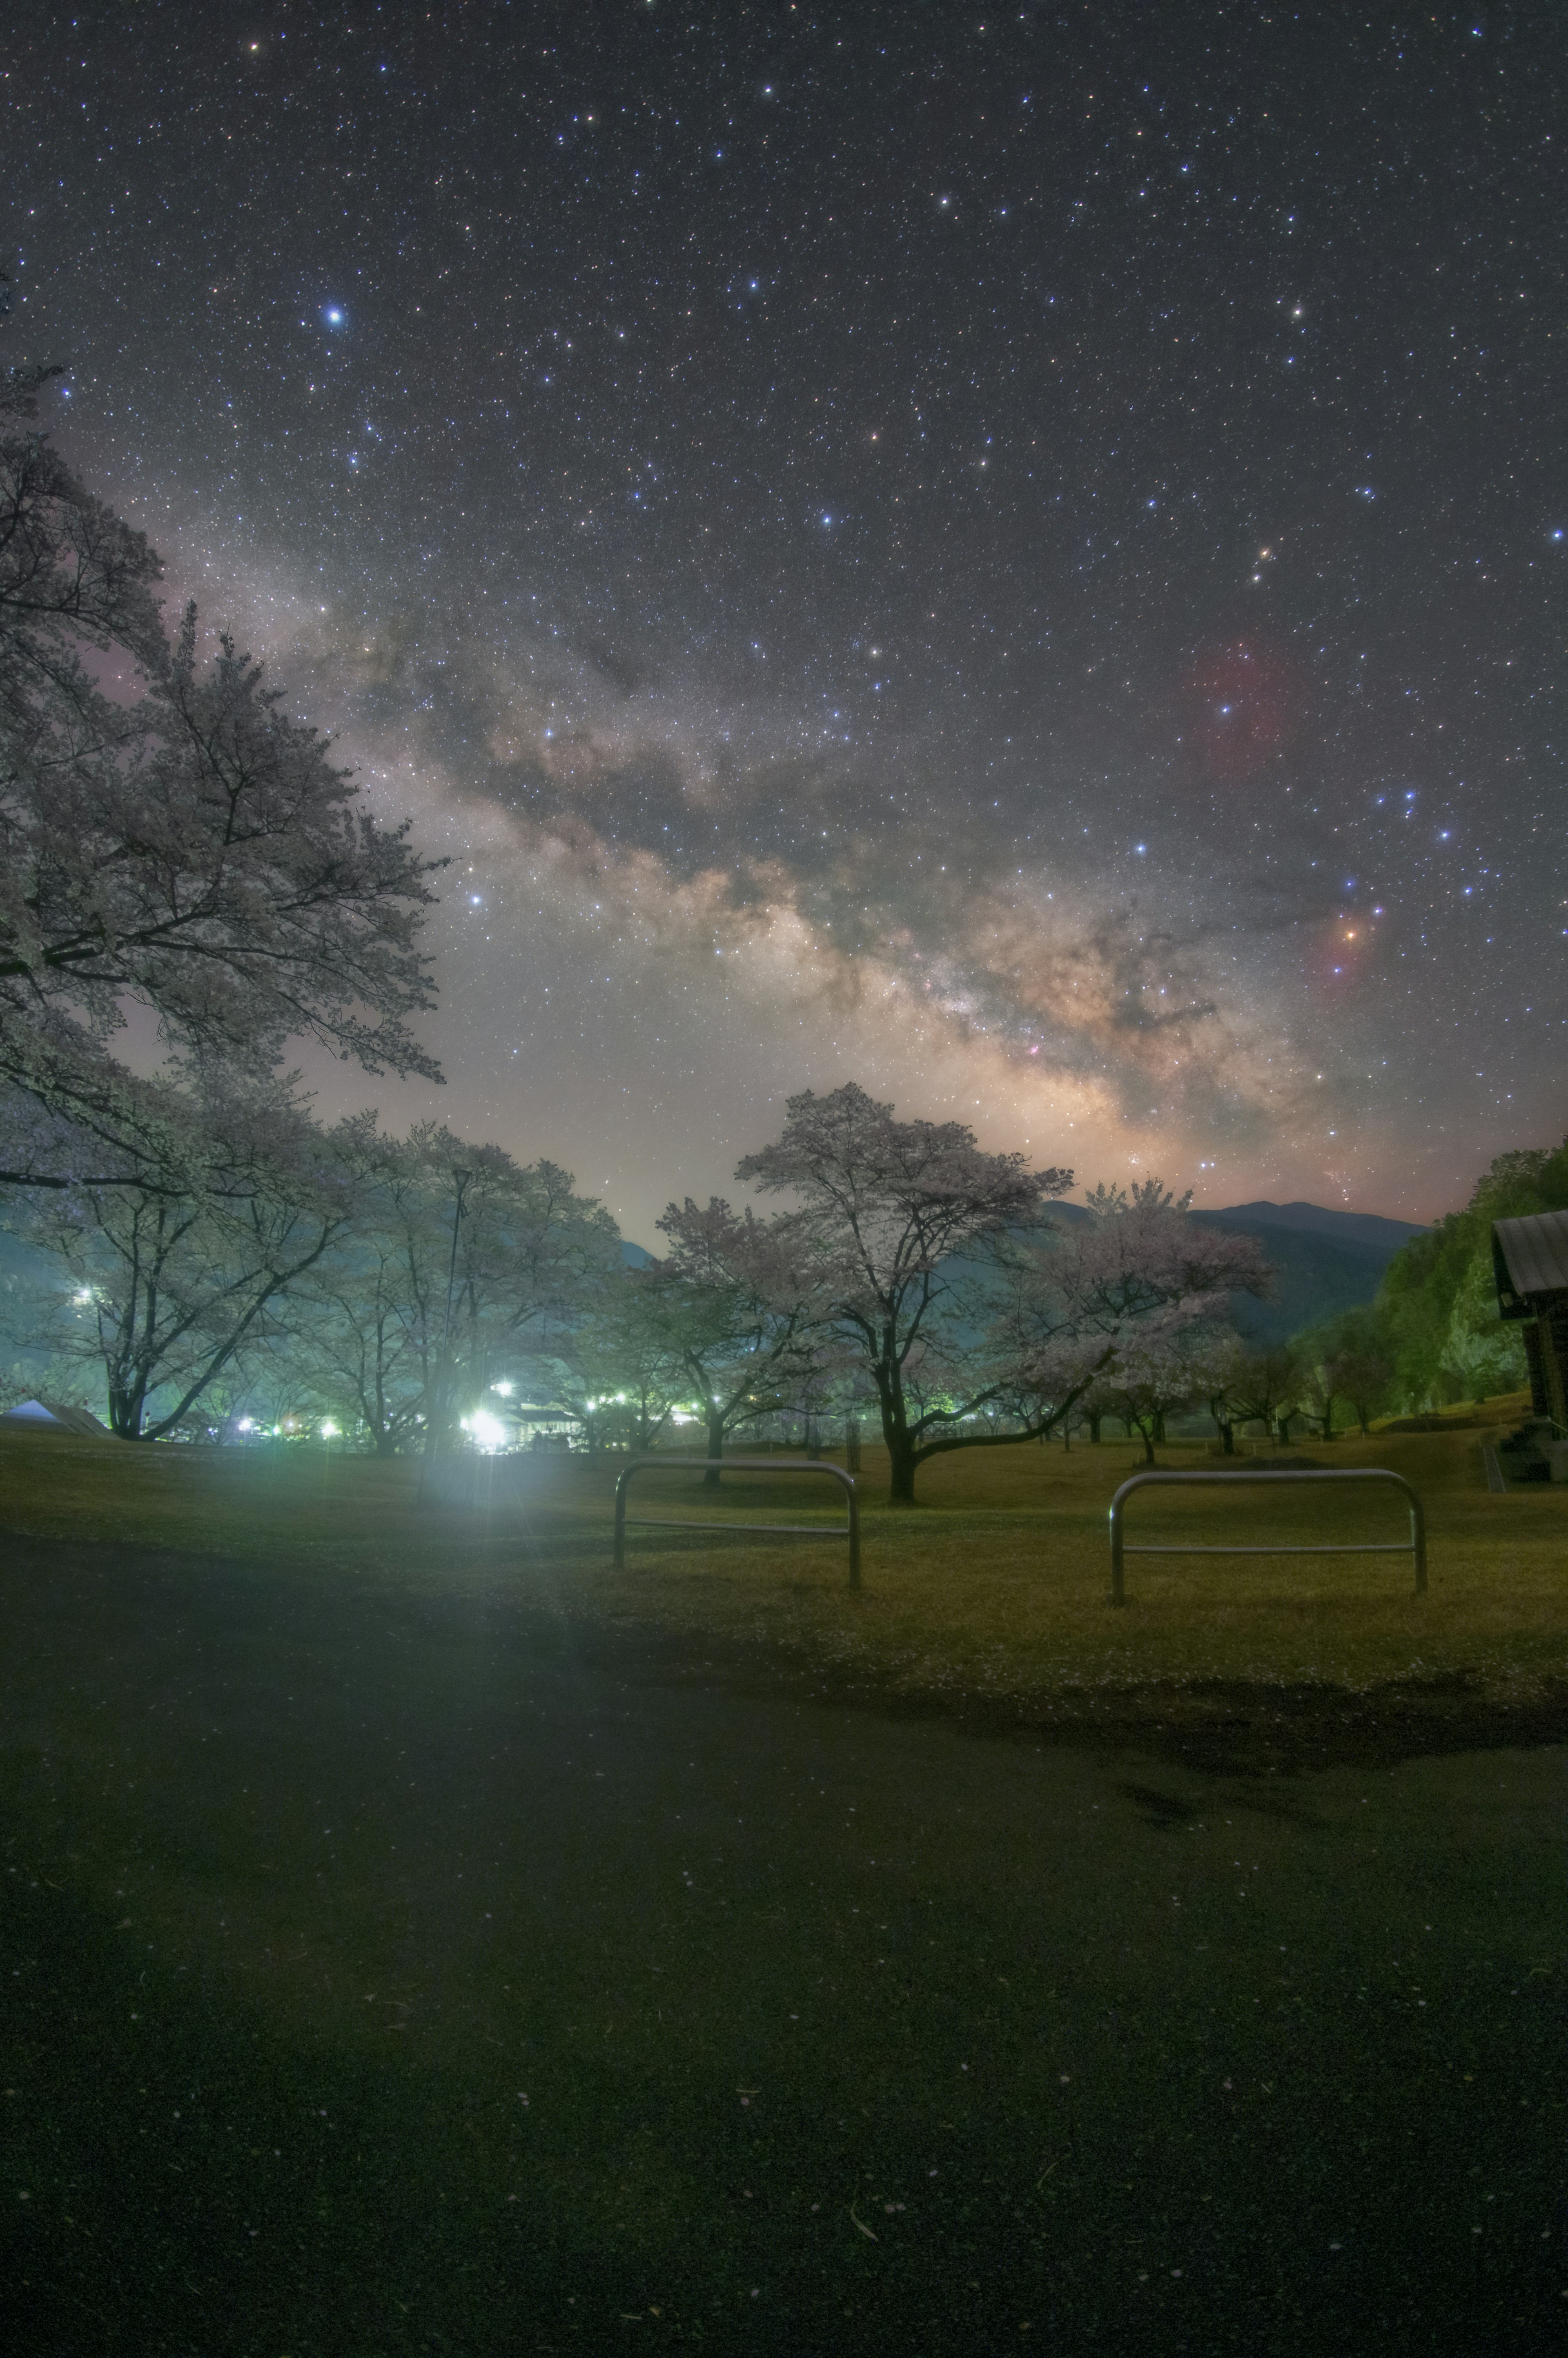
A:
[290,1429]
[485,1429]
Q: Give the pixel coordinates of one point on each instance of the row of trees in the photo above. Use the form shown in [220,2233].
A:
[1432,1336]
[393,1285]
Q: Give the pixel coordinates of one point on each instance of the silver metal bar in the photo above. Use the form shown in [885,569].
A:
[1415,1546]
[659,1465]
[671,1523]
[1376,1547]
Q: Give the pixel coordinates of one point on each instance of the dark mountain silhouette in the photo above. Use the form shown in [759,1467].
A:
[1361,1227]
[1324,1262]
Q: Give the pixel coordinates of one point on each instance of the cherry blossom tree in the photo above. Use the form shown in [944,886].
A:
[1120,1312]
[735,1299]
[899,1225]
[461,1264]
[165,1293]
[1266,1388]
[176,839]
[1167,1359]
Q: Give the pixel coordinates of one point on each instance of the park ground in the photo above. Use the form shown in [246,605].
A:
[421,1938]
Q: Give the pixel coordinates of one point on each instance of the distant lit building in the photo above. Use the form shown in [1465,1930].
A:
[1530,1260]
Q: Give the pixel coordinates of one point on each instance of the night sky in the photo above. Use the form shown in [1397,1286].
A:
[1017,558]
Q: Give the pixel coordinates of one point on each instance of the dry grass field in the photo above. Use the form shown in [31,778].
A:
[995,1589]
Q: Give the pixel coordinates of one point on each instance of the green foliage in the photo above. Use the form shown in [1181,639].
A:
[1436,1311]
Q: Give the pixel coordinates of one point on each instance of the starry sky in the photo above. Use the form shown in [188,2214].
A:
[1015,557]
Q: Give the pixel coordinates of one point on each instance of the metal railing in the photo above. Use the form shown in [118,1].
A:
[659,1465]
[1415,1545]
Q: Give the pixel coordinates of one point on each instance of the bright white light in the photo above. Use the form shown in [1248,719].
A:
[487,1430]
[86,1294]
[505,1389]
[246,1424]
[329,1431]
[334,318]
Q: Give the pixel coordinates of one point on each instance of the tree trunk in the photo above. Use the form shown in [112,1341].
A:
[1094,1425]
[715,1450]
[901,1443]
[1228,1439]
[902,1463]
[1146,1434]
[127,1402]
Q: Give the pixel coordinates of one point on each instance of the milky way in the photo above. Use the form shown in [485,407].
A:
[1019,559]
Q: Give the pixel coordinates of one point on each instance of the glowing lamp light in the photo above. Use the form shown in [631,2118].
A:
[246,1424]
[329,1431]
[505,1389]
[487,1430]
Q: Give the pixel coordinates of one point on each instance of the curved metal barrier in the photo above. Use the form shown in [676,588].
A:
[1415,1545]
[656,1465]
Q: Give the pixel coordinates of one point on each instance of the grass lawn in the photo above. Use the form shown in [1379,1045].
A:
[420,1939]
[990,1597]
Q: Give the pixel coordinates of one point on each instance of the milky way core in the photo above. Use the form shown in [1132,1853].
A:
[1017,561]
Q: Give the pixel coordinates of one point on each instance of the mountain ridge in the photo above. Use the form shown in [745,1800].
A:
[1366,1227]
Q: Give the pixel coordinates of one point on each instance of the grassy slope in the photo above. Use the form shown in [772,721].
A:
[996,1588]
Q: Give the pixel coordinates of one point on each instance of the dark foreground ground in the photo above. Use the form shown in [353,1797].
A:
[387,1974]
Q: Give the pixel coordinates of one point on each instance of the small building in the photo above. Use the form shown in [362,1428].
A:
[54,1416]
[1529,1262]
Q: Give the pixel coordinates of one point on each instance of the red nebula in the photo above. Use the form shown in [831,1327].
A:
[1245,706]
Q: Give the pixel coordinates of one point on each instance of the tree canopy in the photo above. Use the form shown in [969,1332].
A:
[181,842]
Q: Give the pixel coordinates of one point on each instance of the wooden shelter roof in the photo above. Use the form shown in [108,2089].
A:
[1530,1258]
